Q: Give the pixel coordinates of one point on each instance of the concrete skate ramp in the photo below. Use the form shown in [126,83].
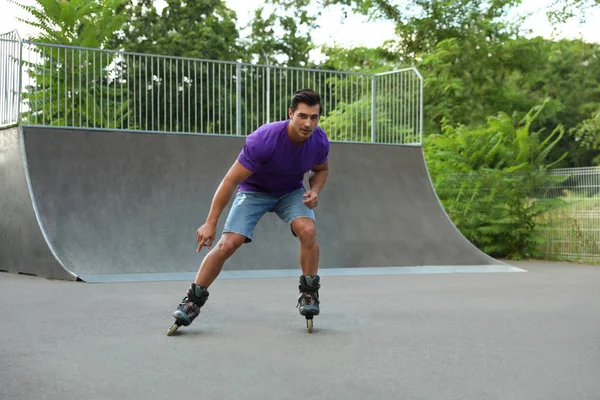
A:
[113,203]
[24,247]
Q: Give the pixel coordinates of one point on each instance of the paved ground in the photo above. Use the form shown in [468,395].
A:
[525,336]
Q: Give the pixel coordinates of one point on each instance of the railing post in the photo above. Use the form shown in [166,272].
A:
[19,87]
[420,108]
[373,109]
[268,92]
[238,100]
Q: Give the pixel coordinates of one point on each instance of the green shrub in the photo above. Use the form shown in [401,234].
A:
[485,177]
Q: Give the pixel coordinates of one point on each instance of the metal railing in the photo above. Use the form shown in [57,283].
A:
[572,232]
[101,89]
[10,78]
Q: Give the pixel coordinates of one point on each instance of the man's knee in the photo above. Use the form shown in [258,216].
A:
[228,244]
[305,229]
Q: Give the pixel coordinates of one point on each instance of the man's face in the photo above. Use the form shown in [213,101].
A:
[304,120]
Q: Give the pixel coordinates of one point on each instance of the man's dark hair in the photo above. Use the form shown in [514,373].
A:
[308,97]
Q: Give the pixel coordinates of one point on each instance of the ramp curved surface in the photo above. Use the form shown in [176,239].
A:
[24,244]
[130,203]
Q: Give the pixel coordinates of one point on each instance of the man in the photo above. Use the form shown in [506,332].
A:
[268,174]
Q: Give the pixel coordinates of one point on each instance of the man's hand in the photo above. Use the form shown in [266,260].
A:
[205,235]
[311,199]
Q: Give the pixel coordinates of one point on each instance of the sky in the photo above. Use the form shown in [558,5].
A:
[343,31]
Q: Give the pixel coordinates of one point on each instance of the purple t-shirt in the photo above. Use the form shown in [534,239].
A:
[279,166]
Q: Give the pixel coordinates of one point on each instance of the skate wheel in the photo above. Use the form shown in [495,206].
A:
[172,329]
[309,325]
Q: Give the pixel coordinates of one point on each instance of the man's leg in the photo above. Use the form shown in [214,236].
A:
[246,211]
[213,262]
[302,220]
[306,231]
[310,282]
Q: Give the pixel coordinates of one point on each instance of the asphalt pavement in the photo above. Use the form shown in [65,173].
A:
[518,335]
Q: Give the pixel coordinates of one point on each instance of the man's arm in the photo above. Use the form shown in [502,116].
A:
[236,175]
[318,177]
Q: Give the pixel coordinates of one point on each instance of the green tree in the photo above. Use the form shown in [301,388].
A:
[70,86]
[179,90]
[588,134]
[195,28]
[86,23]
[279,39]
[422,24]
[560,11]
[360,59]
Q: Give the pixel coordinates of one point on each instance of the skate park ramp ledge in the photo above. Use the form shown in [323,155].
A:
[114,206]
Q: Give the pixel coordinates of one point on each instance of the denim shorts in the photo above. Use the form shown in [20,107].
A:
[249,207]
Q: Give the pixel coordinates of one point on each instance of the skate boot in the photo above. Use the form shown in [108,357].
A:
[308,301]
[189,308]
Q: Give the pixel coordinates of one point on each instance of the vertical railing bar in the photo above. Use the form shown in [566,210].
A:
[121,93]
[139,93]
[389,104]
[170,95]
[80,88]
[165,87]
[65,94]
[5,114]
[136,101]
[72,87]
[107,91]
[373,108]
[94,86]
[344,79]
[356,108]
[246,97]
[58,101]
[177,127]
[202,98]
[421,105]
[230,112]
[238,99]
[212,102]
[6,83]
[409,107]
[152,92]
[404,106]
[219,119]
[128,80]
[331,104]
[189,85]
[196,96]
[101,94]
[397,97]
[414,109]
[147,117]
[115,94]
[392,108]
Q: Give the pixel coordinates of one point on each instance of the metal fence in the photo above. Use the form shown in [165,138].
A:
[572,232]
[91,88]
[10,78]
[570,228]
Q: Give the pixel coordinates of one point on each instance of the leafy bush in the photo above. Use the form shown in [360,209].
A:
[486,176]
